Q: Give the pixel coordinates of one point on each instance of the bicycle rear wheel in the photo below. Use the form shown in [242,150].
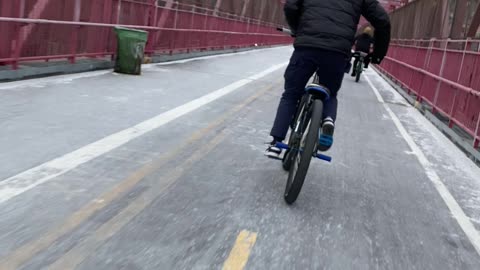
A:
[359,71]
[303,155]
[357,79]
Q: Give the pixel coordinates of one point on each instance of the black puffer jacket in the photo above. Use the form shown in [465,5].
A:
[332,24]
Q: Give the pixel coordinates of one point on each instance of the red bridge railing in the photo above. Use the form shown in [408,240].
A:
[34,30]
[443,73]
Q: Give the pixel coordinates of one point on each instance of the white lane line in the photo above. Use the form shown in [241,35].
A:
[457,212]
[33,177]
[375,90]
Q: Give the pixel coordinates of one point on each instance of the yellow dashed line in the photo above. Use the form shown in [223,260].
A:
[241,251]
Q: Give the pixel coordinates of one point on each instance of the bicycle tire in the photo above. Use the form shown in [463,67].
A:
[359,71]
[296,178]
[287,158]
[357,79]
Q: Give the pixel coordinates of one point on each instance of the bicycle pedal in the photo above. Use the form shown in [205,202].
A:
[282,146]
[323,157]
[274,158]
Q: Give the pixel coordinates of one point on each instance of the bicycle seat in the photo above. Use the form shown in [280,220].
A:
[318,91]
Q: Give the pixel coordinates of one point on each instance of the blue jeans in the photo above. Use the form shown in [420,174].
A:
[330,67]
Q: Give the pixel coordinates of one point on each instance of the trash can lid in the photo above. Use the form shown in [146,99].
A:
[129,29]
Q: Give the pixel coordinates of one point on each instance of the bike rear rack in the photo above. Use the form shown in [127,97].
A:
[317,155]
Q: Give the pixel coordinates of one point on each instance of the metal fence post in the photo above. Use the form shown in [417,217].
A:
[152,21]
[206,19]
[192,18]
[257,33]
[107,18]
[21,8]
[429,54]
[174,33]
[476,137]
[463,59]
[176,17]
[16,48]
[412,72]
[16,45]
[119,11]
[74,39]
[453,108]
[442,67]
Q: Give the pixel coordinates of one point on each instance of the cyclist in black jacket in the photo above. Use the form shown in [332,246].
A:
[325,32]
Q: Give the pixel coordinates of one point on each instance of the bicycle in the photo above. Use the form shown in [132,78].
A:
[361,61]
[303,141]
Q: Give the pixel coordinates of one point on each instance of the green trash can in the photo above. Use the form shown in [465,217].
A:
[130,50]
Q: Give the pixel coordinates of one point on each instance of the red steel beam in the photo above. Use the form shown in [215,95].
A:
[472,31]
[440,26]
[245,6]
[217,7]
[43,21]
[458,30]
[262,9]
[165,13]
[24,33]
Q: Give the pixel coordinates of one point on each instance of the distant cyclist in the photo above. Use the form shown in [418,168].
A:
[363,43]
[325,32]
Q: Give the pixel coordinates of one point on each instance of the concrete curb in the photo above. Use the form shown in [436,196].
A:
[462,143]
[29,72]
[52,69]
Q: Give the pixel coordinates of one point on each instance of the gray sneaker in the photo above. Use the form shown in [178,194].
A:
[273,151]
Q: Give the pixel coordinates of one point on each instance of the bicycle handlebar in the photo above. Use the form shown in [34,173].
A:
[286,31]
